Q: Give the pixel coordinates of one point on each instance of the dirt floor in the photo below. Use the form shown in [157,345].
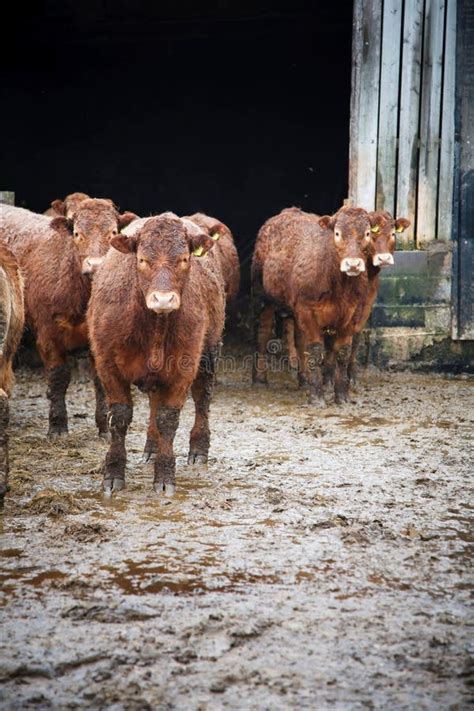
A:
[319,562]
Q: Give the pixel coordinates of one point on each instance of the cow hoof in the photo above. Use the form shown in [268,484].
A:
[195,458]
[165,489]
[148,456]
[341,399]
[112,485]
[56,431]
[259,379]
[316,401]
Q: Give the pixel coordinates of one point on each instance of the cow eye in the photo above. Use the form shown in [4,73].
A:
[337,236]
[114,232]
[76,234]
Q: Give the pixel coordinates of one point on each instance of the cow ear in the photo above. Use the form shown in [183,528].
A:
[375,219]
[59,206]
[200,242]
[401,224]
[125,219]
[327,222]
[127,244]
[217,231]
[62,224]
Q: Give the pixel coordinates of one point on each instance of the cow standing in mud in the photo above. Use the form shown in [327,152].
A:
[316,268]
[58,259]
[156,318]
[11,328]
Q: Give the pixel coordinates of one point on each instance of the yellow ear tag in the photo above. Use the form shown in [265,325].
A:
[375,229]
[400,229]
[198,251]
[215,236]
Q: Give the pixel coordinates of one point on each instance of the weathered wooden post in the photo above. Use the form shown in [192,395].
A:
[7,197]
[412,79]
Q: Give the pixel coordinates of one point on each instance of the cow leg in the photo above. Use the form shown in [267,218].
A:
[352,365]
[289,331]
[167,420]
[202,392]
[314,354]
[100,403]
[329,361]
[4,418]
[342,347]
[59,378]
[58,375]
[120,413]
[151,444]
[263,332]
[302,365]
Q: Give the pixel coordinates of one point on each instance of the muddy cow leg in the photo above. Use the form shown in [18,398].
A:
[100,403]
[352,365]
[329,361]
[289,331]
[59,378]
[151,444]
[58,374]
[120,417]
[202,392]
[263,330]
[314,353]
[120,413]
[4,418]
[302,365]
[167,420]
[342,348]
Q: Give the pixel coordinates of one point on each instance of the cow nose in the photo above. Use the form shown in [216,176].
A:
[91,264]
[163,301]
[383,260]
[352,266]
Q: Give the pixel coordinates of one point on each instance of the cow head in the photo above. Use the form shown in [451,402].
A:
[164,248]
[350,228]
[70,205]
[92,227]
[383,237]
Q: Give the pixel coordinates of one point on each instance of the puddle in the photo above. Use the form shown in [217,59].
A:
[11,553]
[144,578]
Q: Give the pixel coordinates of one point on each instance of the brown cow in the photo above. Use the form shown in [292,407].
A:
[316,268]
[156,317]
[382,247]
[58,258]
[67,207]
[11,328]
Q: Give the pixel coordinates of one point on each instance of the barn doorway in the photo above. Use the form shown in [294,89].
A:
[235,108]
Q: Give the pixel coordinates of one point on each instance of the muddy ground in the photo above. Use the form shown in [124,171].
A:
[319,562]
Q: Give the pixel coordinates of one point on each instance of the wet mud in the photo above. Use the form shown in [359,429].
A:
[320,561]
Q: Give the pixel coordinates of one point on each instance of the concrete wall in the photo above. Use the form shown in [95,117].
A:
[410,324]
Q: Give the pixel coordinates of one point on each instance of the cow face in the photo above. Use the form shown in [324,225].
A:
[92,227]
[383,240]
[351,235]
[164,249]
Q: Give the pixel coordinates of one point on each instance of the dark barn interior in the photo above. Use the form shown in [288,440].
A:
[234,108]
